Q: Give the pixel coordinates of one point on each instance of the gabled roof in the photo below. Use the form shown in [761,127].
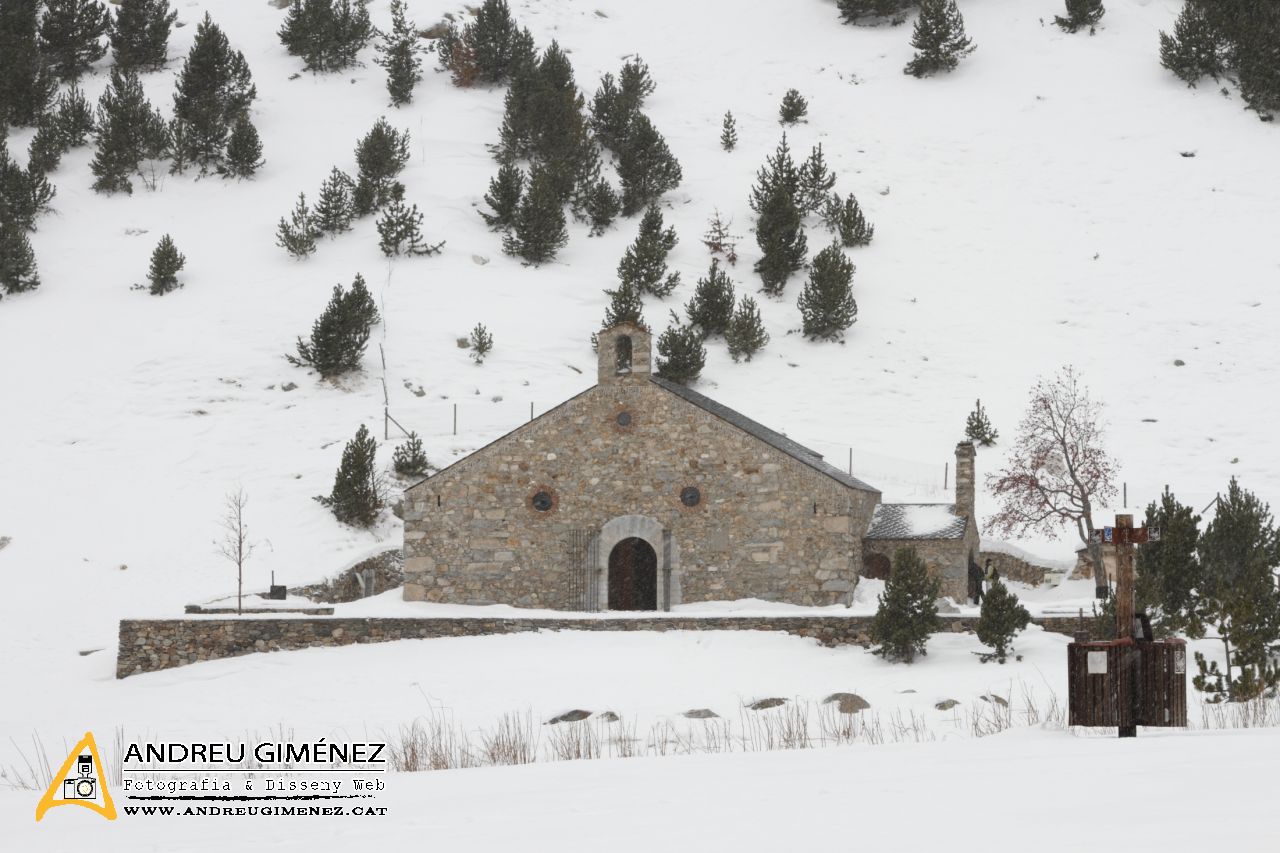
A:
[776,440]
[917,521]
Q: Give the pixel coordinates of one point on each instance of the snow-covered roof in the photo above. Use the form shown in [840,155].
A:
[917,521]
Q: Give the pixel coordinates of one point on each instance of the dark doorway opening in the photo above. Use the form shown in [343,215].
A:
[633,576]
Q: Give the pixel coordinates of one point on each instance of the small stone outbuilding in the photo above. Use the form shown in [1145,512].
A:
[641,494]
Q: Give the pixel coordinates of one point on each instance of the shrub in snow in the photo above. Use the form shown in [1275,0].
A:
[481,342]
[793,108]
[710,310]
[1002,617]
[746,335]
[858,11]
[939,39]
[340,334]
[166,263]
[356,496]
[826,303]
[18,271]
[681,355]
[400,231]
[602,206]
[728,132]
[978,426]
[297,236]
[409,460]
[1080,14]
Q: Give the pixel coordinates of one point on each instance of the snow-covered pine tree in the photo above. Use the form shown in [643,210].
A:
[845,218]
[908,613]
[728,132]
[1196,47]
[826,304]
[214,87]
[503,197]
[356,497]
[624,305]
[746,335]
[1001,618]
[646,166]
[339,335]
[18,271]
[978,426]
[71,34]
[47,146]
[398,53]
[793,108]
[244,150]
[939,39]
[710,310]
[1081,14]
[26,85]
[681,355]
[166,263]
[130,131]
[779,171]
[539,231]
[409,459]
[140,34]
[400,231]
[334,208]
[602,207]
[481,343]
[74,117]
[381,154]
[644,265]
[297,236]
[781,239]
[816,181]
[719,240]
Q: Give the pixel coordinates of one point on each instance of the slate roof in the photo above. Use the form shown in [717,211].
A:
[776,440]
[917,521]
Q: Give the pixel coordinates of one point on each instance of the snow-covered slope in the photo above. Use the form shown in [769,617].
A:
[1031,209]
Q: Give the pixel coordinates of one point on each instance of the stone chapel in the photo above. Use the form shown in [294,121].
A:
[642,494]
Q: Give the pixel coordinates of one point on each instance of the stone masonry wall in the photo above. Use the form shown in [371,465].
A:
[768,526]
[1013,568]
[946,559]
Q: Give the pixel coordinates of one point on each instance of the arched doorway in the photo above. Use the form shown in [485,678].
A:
[876,566]
[633,576]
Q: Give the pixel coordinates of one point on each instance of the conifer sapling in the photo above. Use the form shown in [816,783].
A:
[781,240]
[140,33]
[644,265]
[746,335]
[1081,14]
[400,231]
[827,303]
[166,263]
[503,197]
[334,206]
[481,343]
[728,132]
[1002,617]
[844,217]
[356,496]
[681,355]
[794,107]
[908,612]
[18,272]
[409,459]
[710,310]
[719,240]
[939,39]
[297,236]
[398,53]
[244,150]
[539,231]
[71,34]
[602,207]
[978,426]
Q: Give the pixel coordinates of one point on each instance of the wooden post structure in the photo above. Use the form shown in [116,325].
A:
[1129,657]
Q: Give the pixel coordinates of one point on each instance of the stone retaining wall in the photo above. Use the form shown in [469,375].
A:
[1013,568]
[148,645]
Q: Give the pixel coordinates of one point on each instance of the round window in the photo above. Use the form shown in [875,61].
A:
[690,496]
[542,501]
[623,419]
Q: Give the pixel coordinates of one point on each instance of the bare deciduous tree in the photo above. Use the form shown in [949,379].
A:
[234,544]
[1058,470]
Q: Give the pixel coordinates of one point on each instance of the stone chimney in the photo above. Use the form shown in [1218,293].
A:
[964,480]
[623,351]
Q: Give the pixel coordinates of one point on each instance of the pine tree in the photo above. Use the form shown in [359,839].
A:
[214,88]
[978,427]
[782,241]
[844,217]
[624,305]
[746,335]
[398,53]
[400,231]
[298,235]
[1168,569]
[47,146]
[609,116]
[710,310]
[327,34]
[1195,48]
[681,355]
[1258,59]
[815,182]
[1080,14]
[778,172]
[166,263]
[26,85]
[244,150]
[826,303]
[908,612]
[503,197]
[856,11]
[380,155]
[409,459]
[493,42]
[18,272]
[602,207]
[539,231]
[1001,618]
[130,131]
[794,107]
[339,336]
[719,240]
[646,166]
[74,117]
[728,132]
[939,39]
[481,343]
[71,34]
[334,206]
[644,265]
[356,497]
[140,34]
[24,194]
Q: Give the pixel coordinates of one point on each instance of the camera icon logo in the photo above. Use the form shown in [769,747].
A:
[85,787]
[79,782]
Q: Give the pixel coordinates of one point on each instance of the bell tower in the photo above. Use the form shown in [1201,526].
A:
[624,353]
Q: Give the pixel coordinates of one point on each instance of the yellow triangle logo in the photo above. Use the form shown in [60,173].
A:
[80,781]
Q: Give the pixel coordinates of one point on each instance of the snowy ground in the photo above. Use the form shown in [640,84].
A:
[1032,209]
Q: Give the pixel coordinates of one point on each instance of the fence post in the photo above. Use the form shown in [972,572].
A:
[850,461]
[531,410]
[455,418]
[946,474]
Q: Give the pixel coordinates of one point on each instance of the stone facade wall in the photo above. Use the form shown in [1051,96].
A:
[148,645]
[946,559]
[1013,568]
[768,526]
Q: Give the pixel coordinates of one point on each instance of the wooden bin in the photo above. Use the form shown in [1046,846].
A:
[1103,676]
